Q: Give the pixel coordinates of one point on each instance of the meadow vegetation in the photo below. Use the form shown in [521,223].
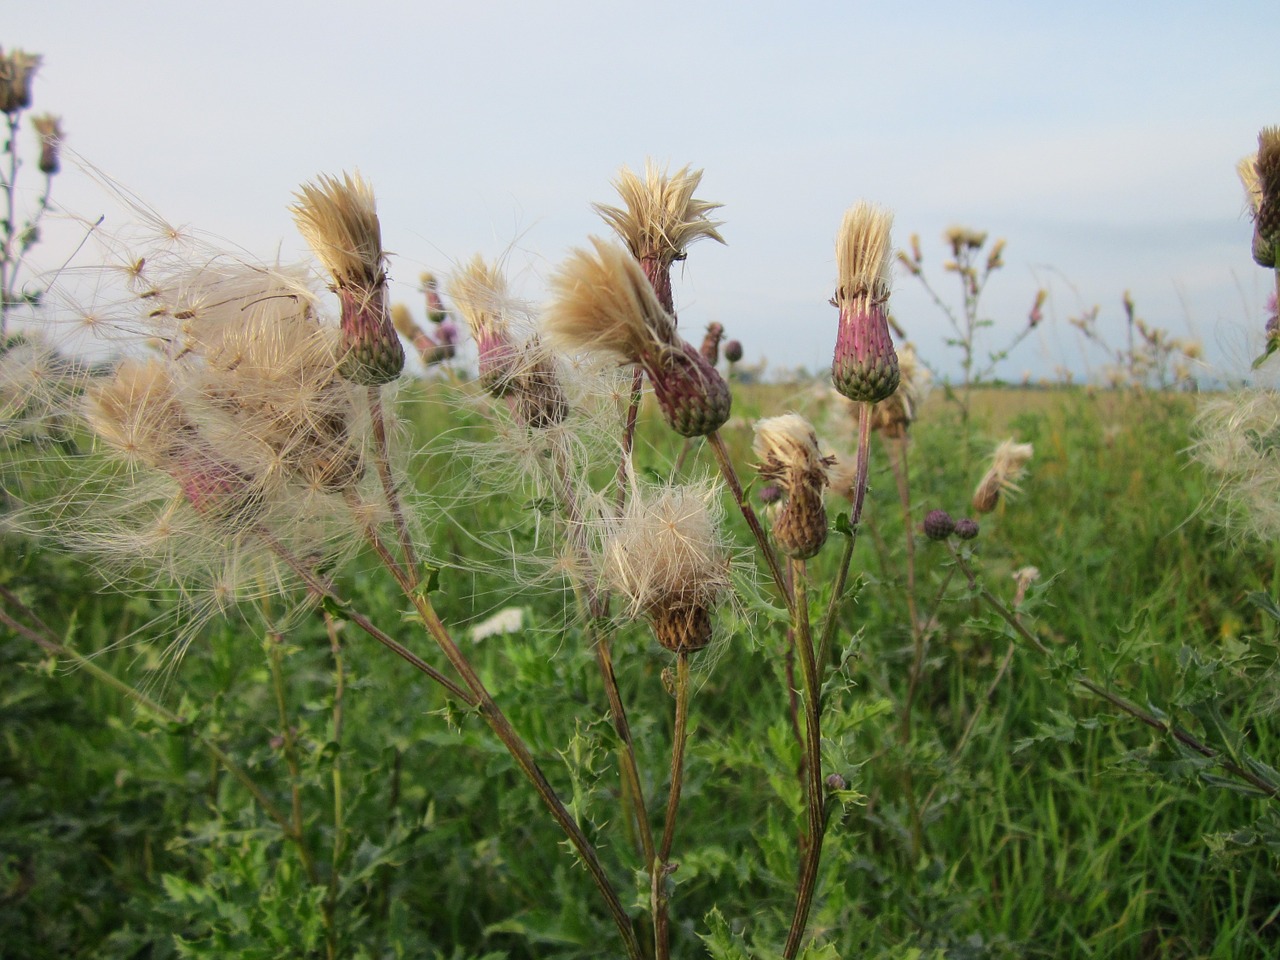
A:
[594,650]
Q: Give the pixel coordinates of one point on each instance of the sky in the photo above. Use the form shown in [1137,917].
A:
[1098,138]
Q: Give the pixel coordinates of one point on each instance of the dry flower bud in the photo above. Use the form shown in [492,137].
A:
[789,456]
[604,304]
[1008,466]
[666,557]
[865,366]
[661,218]
[710,348]
[1266,226]
[16,70]
[49,129]
[339,221]
[436,312]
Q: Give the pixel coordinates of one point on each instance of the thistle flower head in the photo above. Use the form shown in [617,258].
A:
[865,366]
[49,129]
[662,216]
[710,348]
[733,351]
[1264,190]
[789,456]
[479,291]
[667,558]
[339,221]
[894,415]
[938,525]
[1008,466]
[660,219]
[604,304]
[17,67]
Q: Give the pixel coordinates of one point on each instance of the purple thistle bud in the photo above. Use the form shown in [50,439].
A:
[938,525]
[865,365]
[966,529]
[733,351]
[693,397]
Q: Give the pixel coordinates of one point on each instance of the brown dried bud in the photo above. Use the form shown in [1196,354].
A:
[49,129]
[682,627]
[16,70]
[710,348]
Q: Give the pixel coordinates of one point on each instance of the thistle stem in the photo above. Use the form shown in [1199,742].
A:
[815,797]
[290,747]
[662,869]
[855,521]
[47,640]
[1184,737]
[730,475]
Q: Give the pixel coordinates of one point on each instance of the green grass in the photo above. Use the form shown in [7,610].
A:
[1061,829]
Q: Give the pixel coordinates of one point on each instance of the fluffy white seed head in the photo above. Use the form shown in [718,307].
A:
[667,549]
[1008,466]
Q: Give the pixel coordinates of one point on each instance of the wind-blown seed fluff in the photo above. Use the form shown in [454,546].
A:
[789,456]
[604,304]
[666,557]
[865,366]
[339,221]
[1008,466]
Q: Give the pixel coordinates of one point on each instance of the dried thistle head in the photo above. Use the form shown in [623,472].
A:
[49,129]
[865,366]
[339,221]
[479,291]
[1023,578]
[604,304]
[667,558]
[661,218]
[139,413]
[1008,466]
[17,67]
[1266,209]
[787,447]
[710,348]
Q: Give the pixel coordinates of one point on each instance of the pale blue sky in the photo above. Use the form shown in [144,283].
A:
[1099,138]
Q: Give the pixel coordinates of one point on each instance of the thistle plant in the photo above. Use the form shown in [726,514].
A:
[973,264]
[18,234]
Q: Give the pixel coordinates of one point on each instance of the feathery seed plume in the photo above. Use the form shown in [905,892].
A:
[666,556]
[1008,466]
[865,366]
[604,304]
[522,372]
[339,221]
[479,291]
[660,220]
[789,456]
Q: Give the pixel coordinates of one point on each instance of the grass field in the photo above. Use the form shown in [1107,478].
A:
[995,806]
